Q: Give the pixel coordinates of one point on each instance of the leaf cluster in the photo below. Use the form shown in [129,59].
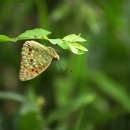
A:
[70,42]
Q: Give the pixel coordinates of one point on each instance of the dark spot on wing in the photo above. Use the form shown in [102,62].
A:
[31,60]
[40,68]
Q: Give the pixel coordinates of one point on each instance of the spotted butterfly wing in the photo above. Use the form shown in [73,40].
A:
[35,59]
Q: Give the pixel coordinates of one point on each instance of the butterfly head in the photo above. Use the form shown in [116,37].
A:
[53,53]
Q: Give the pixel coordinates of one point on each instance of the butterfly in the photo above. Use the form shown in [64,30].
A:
[36,58]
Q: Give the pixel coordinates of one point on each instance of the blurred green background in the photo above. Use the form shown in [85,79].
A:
[92,91]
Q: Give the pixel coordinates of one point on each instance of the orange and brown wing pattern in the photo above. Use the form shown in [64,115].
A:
[35,59]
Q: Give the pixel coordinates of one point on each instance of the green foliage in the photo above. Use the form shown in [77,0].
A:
[4,38]
[73,38]
[69,42]
[29,118]
[70,107]
[91,91]
[37,33]
[114,90]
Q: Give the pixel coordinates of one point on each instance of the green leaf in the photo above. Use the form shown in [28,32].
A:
[12,96]
[37,33]
[78,46]
[73,49]
[80,52]
[56,41]
[73,38]
[60,43]
[4,38]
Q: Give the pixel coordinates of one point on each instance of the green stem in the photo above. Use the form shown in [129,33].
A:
[77,127]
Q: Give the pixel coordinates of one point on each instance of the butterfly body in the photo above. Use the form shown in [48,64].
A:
[36,58]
